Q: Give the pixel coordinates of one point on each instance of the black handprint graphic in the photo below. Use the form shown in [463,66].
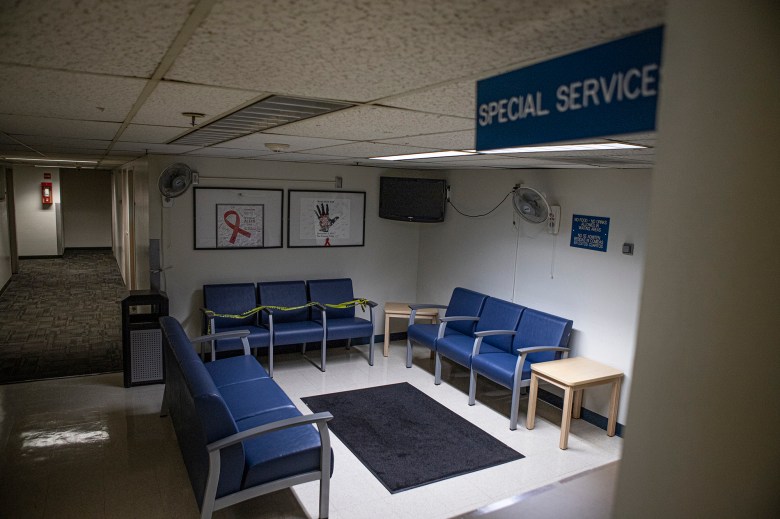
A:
[323,215]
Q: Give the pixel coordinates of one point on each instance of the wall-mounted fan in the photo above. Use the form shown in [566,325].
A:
[532,206]
[174,181]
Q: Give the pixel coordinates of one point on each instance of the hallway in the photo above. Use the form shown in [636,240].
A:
[61,317]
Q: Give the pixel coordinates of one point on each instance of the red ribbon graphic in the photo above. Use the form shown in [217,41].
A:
[235,226]
[327,242]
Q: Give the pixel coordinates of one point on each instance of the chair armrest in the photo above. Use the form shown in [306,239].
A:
[206,312]
[316,418]
[523,353]
[371,303]
[459,318]
[269,311]
[478,336]
[495,332]
[534,349]
[318,305]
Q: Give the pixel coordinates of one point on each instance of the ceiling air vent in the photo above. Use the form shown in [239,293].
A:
[271,111]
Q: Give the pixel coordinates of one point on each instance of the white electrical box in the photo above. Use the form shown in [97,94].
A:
[554,220]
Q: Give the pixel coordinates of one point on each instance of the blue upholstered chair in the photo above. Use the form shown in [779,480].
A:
[461,317]
[232,299]
[493,333]
[290,326]
[341,323]
[540,337]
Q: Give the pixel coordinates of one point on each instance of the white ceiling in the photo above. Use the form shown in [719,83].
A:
[108,80]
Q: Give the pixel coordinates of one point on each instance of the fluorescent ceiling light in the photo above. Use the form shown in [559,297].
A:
[430,155]
[566,147]
[51,160]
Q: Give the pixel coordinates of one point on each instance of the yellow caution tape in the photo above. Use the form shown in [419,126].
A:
[253,311]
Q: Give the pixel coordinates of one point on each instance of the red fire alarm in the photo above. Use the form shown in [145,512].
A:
[46,194]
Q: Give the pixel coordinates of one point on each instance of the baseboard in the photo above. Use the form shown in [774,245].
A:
[51,256]
[89,249]
[589,416]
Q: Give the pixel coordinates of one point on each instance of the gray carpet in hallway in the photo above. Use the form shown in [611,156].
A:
[61,317]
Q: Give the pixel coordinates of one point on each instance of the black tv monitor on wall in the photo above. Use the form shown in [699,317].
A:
[412,199]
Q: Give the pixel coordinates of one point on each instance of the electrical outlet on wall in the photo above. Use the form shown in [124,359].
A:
[554,220]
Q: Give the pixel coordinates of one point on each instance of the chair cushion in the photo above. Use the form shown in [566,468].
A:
[296,332]
[425,334]
[233,370]
[258,338]
[349,328]
[464,302]
[332,291]
[285,294]
[499,367]
[230,298]
[457,347]
[280,454]
[253,397]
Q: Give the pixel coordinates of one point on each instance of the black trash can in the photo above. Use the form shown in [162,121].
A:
[142,337]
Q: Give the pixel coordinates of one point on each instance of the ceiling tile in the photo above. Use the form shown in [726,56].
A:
[300,157]
[363,123]
[172,149]
[226,152]
[122,38]
[165,105]
[455,99]
[463,140]
[258,140]
[68,95]
[364,150]
[149,133]
[334,50]
[28,125]
[64,142]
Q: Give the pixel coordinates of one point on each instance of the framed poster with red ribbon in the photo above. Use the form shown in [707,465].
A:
[227,218]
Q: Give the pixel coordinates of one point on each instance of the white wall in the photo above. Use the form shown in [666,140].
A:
[599,291]
[5,233]
[704,410]
[36,224]
[384,270]
[86,207]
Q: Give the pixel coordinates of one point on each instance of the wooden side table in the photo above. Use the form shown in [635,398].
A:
[402,310]
[573,375]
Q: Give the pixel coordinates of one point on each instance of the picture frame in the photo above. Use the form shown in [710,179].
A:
[238,218]
[326,218]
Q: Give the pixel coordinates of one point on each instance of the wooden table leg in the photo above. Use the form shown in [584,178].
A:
[613,408]
[387,334]
[532,391]
[577,410]
[566,418]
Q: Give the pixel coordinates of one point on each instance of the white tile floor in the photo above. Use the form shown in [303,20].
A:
[88,447]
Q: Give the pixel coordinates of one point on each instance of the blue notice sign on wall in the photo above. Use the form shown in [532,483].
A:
[609,89]
[589,232]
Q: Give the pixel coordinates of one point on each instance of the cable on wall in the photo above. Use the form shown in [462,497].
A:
[483,214]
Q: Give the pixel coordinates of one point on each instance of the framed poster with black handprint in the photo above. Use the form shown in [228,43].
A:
[326,218]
